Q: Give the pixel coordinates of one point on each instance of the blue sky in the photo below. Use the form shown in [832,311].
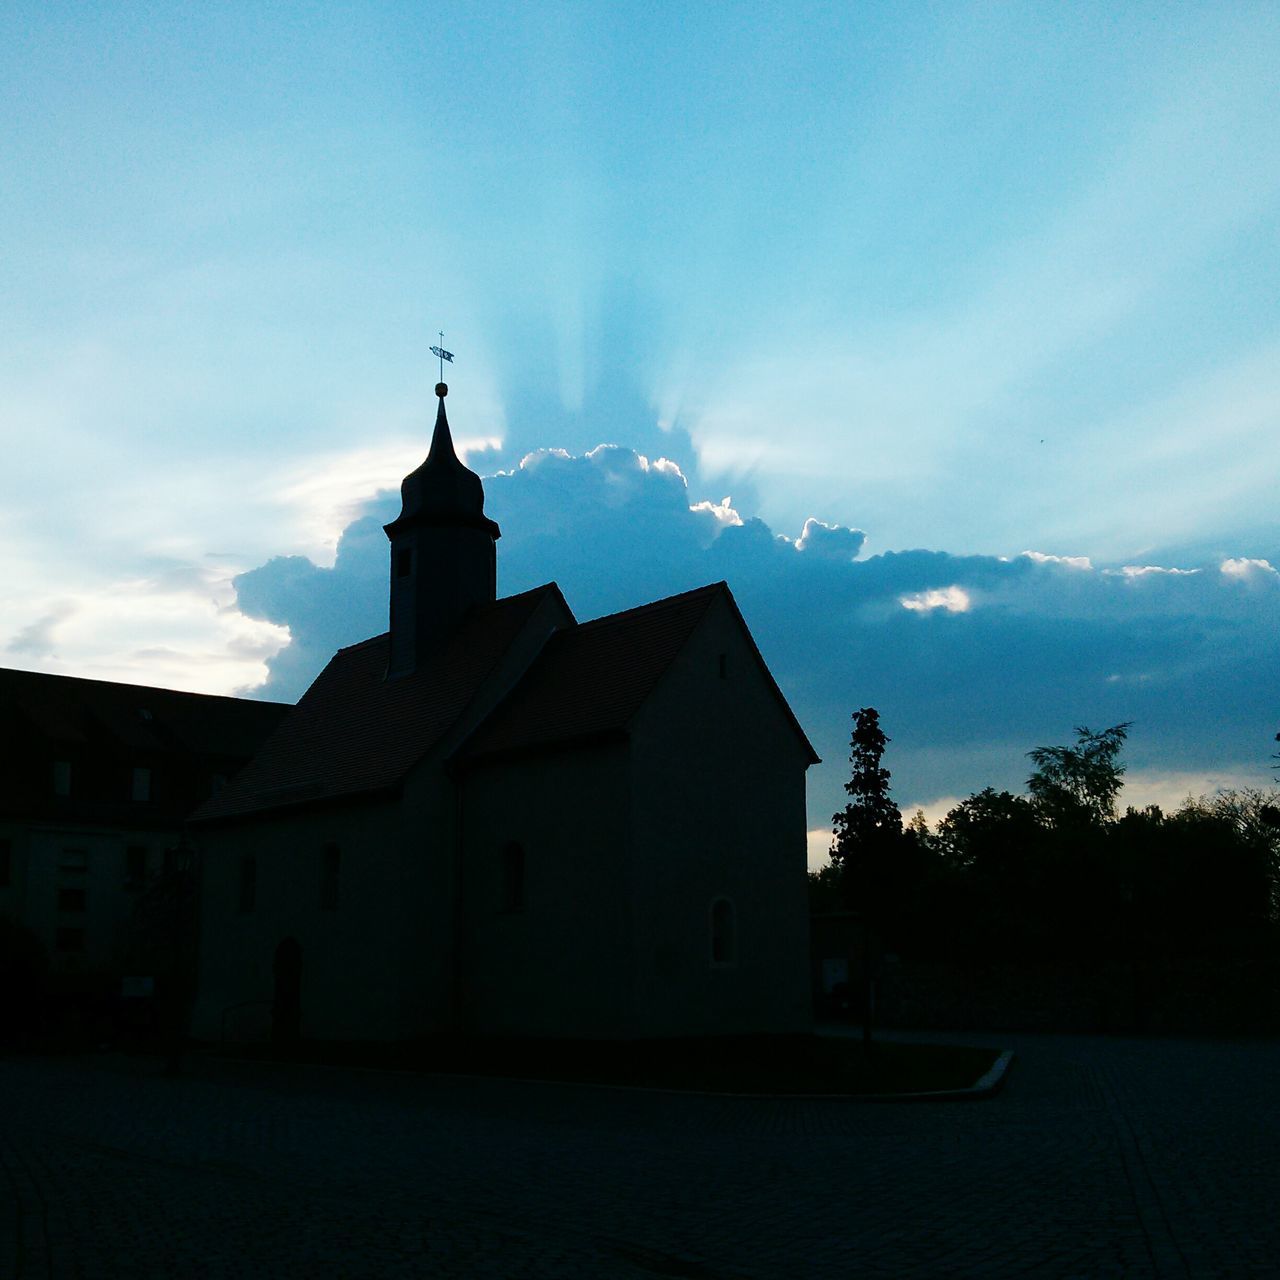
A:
[973,281]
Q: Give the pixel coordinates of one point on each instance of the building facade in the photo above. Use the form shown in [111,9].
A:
[496,819]
[96,781]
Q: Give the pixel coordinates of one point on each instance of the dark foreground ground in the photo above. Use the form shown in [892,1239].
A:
[782,1064]
[1099,1158]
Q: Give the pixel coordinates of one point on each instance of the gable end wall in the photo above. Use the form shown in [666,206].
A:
[719,785]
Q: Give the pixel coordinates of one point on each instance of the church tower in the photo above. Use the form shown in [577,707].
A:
[443,558]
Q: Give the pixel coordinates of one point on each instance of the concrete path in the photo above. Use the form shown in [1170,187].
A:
[1099,1158]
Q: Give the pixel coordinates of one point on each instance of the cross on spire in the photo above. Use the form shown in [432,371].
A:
[443,354]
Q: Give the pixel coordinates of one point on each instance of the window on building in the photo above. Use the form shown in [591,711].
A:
[404,562]
[511,892]
[216,783]
[74,860]
[6,862]
[135,866]
[723,940]
[69,938]
[248,882]
[72,899]
[330,861]
[724,666]
[142,784]
[62,777]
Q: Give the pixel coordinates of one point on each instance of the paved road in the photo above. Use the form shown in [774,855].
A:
[1100,1158]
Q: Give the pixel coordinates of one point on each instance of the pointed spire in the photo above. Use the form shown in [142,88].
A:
[443,490]
[441,440]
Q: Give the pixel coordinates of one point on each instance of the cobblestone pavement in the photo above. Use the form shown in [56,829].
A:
[1101,1157]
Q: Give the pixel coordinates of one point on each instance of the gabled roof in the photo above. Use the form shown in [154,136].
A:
[354,731]
[108,728]
[591,680]
[74,711]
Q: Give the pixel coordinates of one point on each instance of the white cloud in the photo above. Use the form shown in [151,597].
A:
[1246,569]
[934,810]
[819,848]
[953,599]
[1071,562]
[1132,571]
[184,633]
[830,541]
[323,494]
[1169,788]
[721,512]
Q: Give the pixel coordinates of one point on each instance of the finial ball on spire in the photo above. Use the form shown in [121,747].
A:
[442,389]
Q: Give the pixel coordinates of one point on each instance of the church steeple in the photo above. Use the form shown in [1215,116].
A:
[443,558]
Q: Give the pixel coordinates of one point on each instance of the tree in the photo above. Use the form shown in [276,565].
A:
[1077,786]
[988,830]
[867,841]
[871,823]
[825,890]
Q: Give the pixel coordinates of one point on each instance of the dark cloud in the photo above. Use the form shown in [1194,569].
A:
[972,660]
[37,639]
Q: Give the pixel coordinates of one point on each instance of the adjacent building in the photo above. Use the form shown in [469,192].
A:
[96,780]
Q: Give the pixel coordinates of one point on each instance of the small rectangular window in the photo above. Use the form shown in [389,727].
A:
[135,866]
[248,882]
[69,938]
[74,860]
[72,899]
[142,784]
[404,562]
[62,777]
[6,862]
[330,862]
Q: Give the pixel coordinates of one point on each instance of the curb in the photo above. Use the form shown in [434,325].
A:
[987,1086]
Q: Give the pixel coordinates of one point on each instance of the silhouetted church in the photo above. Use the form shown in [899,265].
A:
[497,819]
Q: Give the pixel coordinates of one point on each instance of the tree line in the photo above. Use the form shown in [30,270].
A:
[1057,876]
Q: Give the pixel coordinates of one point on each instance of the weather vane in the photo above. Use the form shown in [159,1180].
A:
[443,354]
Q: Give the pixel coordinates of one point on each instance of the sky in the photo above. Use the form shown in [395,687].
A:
[946,334]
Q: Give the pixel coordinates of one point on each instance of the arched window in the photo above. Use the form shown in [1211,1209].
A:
[724,942]
[511,892]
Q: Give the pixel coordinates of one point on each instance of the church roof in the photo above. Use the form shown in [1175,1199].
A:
[354,731]
[591,680]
